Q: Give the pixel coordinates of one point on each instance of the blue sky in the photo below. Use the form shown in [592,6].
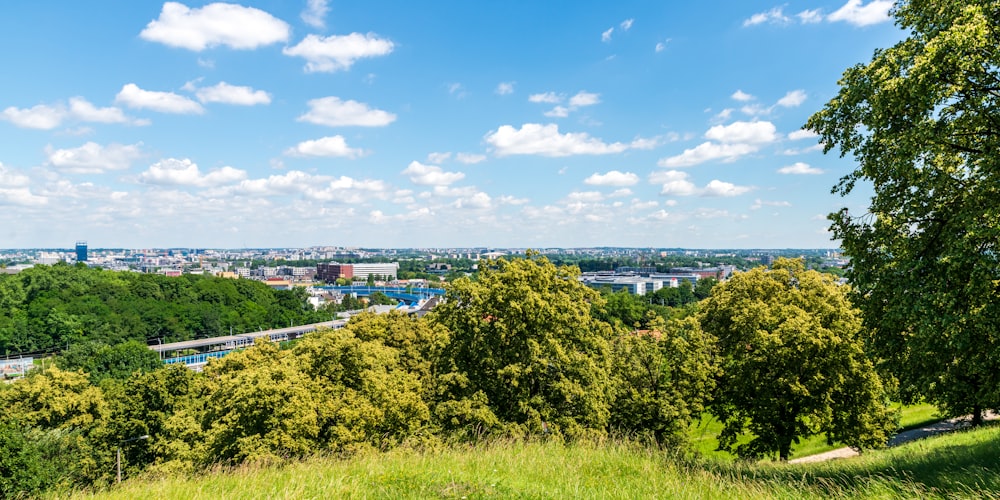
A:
[424,124]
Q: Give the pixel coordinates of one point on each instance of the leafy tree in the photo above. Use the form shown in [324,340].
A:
[922,119]
[102,361]
[792,363]
[662,378]
[704,288]
[523,341]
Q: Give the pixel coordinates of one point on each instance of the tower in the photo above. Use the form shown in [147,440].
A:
[81,251]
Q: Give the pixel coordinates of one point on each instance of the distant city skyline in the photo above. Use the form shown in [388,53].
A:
[391,124]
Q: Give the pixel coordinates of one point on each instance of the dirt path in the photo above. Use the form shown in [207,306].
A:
[903,437]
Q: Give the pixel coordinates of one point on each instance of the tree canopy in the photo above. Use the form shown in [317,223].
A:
[792,363]
[922,119]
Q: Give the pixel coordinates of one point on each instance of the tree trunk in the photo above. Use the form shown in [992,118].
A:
[977,415]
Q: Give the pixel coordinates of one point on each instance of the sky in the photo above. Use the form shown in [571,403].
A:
[449,123]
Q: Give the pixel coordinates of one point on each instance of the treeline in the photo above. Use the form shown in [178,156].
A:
[49,308]
[526,350]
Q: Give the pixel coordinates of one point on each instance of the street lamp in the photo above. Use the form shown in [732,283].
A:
[118,453]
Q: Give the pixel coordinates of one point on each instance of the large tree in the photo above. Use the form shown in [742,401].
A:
[922,119]
[792,363]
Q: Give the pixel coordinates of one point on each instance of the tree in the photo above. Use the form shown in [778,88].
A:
[922,119]
[524,342]
[792,363]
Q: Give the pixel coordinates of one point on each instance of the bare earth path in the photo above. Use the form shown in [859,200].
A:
[903,437]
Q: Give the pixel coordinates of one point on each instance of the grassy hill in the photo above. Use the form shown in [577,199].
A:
[963,465]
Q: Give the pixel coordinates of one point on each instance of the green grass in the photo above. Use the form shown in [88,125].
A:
[959,465]
[703,433]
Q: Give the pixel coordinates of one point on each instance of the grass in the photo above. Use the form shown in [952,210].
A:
[703,434]
[960,465]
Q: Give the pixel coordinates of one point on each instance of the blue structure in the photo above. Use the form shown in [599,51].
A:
[81,251]
[405,294]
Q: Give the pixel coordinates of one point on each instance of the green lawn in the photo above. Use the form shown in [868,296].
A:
[959,465]
[703,434]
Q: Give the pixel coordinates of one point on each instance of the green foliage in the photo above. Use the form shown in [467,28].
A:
[921,119]
[50,308]
[662,378]
[24,470]
[525,343]
[792,363]
[102,361]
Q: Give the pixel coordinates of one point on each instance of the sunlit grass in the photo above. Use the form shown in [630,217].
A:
[960,465]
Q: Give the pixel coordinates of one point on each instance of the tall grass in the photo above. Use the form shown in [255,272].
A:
[960,465]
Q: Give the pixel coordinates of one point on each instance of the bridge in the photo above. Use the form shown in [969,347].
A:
[410,295]
[217,347]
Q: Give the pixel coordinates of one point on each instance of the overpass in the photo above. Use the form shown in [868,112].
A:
[217,347]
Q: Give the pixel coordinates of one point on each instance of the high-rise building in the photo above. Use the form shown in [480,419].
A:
[81,251]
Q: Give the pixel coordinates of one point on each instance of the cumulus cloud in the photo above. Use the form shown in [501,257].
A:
[708,151]
[853,12]
[557,112]
[721,188]
[338,52]
[612,178]
[606,36]
[14,189]
[216,24]
[469,158]
[584,98]
[335,146]
[225,93]
[504,88]
[810,16]
[41,116]
[92,158]
[83,110]
[661,46]
[792,99]
[333,112]
[477,201]
[545,140]
[627,24]
[799,168]
[802,134]
[315,13]
[174,172]
[431,175]
[741,96]
[12,178]
[773,16]
[759,203]
[546,97]
[438,157]
[756,132]
[164,102]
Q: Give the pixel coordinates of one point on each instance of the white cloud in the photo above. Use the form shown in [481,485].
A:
[545,140]
[231,94]
[627,24]
[585,196]
[853,12]
[759,203]
[315,13]
[85,111]
[41,116]
[612,178]
[606,36]
[333,112]
[741,96]
[92,158]
[334,146]
[174,172]
[21,196]
[756,132]
[547,97]
[721,188]
[773,16]
[557,112]
[338,52]
[802,134]
[478,201]
[800,168]
[438,157]
[505,88]
[512,200]
[469,158]
[584,98]
[810,16]
[792,99]
[661,46]
[708,151]
[164,102]
[430,175]
[675,183]
[213,25]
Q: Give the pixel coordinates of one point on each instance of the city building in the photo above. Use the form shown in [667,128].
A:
[81,251]
[331,271]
